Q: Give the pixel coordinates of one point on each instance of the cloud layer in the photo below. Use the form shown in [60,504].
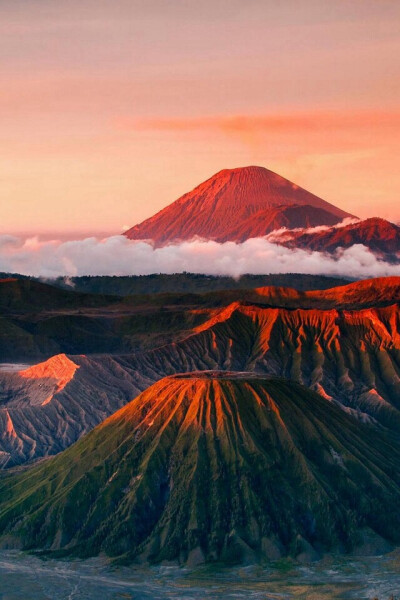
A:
[120,256]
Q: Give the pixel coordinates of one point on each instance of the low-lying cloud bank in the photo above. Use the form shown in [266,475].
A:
[119,256]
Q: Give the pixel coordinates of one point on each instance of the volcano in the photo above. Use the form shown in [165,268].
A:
[212,466]
[235,205]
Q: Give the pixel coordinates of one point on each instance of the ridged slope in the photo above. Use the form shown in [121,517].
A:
[211,467]
[378,292]
[236,204]
[379,235]
[37,330]
[265,221]
[38,416]
[351,356]
[50,377]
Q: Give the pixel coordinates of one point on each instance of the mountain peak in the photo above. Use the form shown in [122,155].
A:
[56,367]
[54,374]
[235,205]
[254,171]
[251,169]
[211,466]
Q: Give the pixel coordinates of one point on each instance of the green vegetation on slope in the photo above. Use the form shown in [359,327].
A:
[211,467]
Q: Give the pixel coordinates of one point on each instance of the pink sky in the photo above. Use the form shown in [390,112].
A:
[111,110]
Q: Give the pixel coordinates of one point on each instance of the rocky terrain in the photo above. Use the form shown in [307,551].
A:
[340,577]
[38,321]
[343,343]
[214,466]
[47,407]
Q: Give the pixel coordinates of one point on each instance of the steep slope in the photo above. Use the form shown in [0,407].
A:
[51,377]
[270,219]
[229,205]
[352,357]
[32,330]
[380,236]
[46,408]
[22,395]
[350,354]
[206,467]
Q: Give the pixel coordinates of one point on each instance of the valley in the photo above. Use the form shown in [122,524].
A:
[336,578]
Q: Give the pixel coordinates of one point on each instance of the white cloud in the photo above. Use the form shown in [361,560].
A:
[119,256]
[284,234]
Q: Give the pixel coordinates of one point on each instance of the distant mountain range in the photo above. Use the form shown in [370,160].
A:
[239,204]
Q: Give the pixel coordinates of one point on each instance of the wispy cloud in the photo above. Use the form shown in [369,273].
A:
[272,122]
[283,234]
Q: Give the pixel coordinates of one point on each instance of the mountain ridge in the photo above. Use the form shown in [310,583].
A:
[218,209]
[212,467]
[379,235]
[346,351]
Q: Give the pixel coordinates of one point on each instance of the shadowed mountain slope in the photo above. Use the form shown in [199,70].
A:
[46,408]
[270,219]
[234,205]
[378,292]
[380,236]
[348,354]
[38,321]
[207,467]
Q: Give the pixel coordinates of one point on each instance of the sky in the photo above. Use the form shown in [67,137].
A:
[110,110]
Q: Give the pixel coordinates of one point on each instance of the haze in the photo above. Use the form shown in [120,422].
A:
[111,110]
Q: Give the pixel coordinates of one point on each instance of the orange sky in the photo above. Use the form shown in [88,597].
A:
[111,110]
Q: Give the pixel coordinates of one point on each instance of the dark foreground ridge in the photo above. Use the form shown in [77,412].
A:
[212,467]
